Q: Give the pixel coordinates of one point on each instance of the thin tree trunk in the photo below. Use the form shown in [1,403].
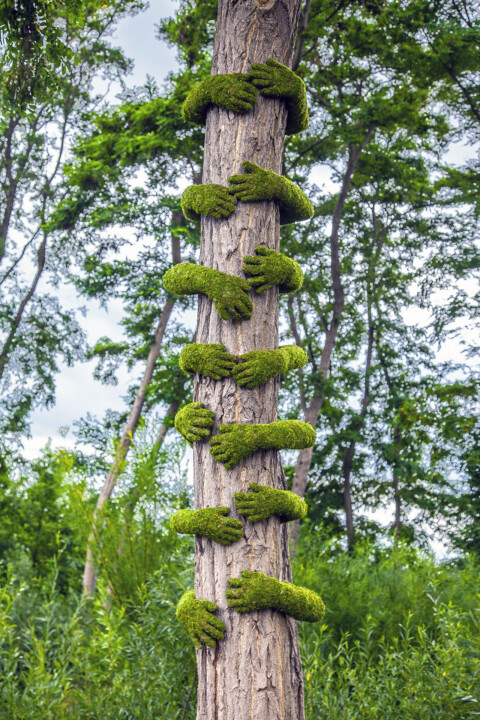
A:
[350,453]
[255,672]
[7,346]
[397,524]
[116,468]
[304,461]
[136,493]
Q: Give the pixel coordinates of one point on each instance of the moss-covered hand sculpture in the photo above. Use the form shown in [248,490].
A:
[213,200]
[263,502]
[197,618]
[270,268]
[276,80]
[237,441]
[257,183]
[232,92]
[194,422]
[227,292]
[210,359]
[258,366]
[238,92]
[256,591]
[208,522]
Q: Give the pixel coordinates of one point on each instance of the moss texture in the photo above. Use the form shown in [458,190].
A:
[250,369]
[237,441]
[208,522]
[238,92]
[256,591]
[194,422]
[263,502]
[197,618]
[232,92]
[227,292]
[209,359]
[213,200]
[258,366]
[270,268]
[257,183]
[276,80]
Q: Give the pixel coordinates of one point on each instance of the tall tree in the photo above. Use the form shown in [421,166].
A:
[255,672]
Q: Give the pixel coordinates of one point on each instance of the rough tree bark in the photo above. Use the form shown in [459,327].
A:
[255,672]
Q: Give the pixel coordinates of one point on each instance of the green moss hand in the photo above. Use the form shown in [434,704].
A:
[276,80]
[208,522]
[227,292]
[264,501]
[210,359]
[257,184]
[256,591]
[270,268]
[232,92]
[194,422]
[258,366]
[197,618]
[238,441]
[213,200]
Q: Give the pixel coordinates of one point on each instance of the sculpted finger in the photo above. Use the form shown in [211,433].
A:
[255,487]
[252,260]
[222,312]
[253,269]
[209,605]
[214,632]
[216,622]
[196,641]
[207,640]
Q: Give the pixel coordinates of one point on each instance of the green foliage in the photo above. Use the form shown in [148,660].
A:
[258,184]
[196,617]
[194,422]
[213,200]
[208,522]
[256,591]
[263,502]
[210,359]
[227,292]
[237,442]
[258,366]
[270,268]
[39,520]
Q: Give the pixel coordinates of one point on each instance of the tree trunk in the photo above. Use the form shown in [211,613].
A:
[116,469]
[255,672]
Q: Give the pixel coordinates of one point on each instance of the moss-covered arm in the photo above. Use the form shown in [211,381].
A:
[264,501]
[208,522]
[258,366]
[257,184]
[197,618]
[227,292]
[238,441]
[232,92]
[256,591]
[276,80]
[270,268]
[194,422]
[213,200]
[210,359]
